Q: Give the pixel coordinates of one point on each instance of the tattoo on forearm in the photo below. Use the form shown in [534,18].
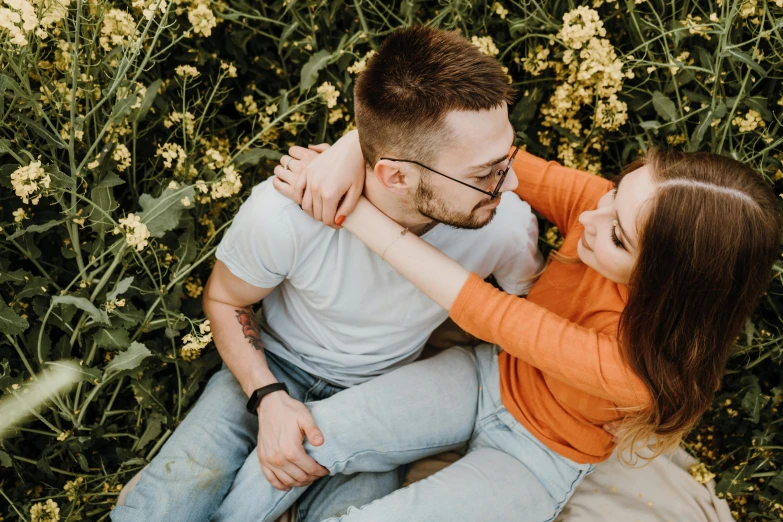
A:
[250,328]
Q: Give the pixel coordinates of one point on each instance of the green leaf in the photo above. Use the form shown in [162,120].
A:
[35,228]
[84,373]
[53,140]
[311,69]
[753,400]
[5,459]
[110,180]
[777,482]
[746,59]
[163,213]
[287,32]
[146,102]
[84,304]
[253,156]
[112,338]
[35,285]
[698,135]
[38,353]
[129,359]
[664,106]
[17,276]
[10,322]
[122,108]
[154,427]
[188,248]
[121,288]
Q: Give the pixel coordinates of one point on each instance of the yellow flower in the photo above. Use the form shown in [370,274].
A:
[187,71]
[48,512]
[30,182]
[19,215]
[72,488]
[122,156]
[536,63]
[701,473]
[248,106]
[579,26]
[171,152]
[361,65]
[231,70]
[148,7]
[193,288]
[193,343]
[499,10]
[611,113]
[485,45]
[229,185]
[136,232]
[119,28]
[329,94]
[749,122]
[202,18]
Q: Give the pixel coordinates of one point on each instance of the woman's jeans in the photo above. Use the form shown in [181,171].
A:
[506,475]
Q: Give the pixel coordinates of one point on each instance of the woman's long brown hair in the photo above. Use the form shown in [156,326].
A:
[709,239]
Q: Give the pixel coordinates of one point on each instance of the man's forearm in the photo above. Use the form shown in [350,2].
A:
[236,335]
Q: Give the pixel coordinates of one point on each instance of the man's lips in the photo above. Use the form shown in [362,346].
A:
[584,244]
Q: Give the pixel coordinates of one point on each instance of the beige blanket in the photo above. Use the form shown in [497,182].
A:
[663,491]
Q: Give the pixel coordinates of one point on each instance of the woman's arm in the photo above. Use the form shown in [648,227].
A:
[429,269]
[588,360]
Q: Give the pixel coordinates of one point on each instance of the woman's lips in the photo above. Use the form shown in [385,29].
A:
[584,244]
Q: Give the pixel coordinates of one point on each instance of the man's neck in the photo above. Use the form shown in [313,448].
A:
[399,208]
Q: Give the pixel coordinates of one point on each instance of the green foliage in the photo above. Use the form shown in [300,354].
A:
[140,135]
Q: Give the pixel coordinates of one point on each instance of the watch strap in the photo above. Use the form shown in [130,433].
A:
[256,396]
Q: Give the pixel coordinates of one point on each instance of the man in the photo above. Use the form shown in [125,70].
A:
[334,314]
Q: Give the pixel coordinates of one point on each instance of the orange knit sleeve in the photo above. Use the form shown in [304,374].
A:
[585,359]
[558,193]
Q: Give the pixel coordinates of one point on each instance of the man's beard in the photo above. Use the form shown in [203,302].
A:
[429,205]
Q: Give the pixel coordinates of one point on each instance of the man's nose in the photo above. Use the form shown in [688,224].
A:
[511,182]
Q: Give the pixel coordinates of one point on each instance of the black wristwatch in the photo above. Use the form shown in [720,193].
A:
[256,396]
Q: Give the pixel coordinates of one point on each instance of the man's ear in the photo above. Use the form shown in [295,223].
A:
[389,175]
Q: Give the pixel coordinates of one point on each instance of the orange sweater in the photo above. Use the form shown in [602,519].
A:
[561,371]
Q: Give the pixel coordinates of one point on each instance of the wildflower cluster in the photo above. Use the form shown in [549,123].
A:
[589,78]
[136,232]
[30,182]
[48,511]
[194,343]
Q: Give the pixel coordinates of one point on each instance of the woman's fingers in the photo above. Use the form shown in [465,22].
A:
[348,204]
[319,148]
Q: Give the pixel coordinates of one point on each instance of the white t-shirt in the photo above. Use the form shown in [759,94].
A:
[339,311]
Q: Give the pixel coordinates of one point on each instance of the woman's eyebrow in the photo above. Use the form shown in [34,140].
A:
[625,234]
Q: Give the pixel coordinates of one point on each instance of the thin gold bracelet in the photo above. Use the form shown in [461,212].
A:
[402,233]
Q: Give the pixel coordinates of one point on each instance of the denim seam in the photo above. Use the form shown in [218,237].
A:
[436,447]
[567,495]
[306,396]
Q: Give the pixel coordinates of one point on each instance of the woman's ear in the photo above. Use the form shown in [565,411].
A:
[388,173]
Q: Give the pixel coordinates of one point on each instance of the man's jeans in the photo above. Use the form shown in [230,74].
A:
[423,409]
[209,469]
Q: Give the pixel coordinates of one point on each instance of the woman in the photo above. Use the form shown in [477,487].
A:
[633,320]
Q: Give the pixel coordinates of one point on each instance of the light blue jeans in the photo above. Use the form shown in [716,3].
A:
[506,475]
[209,470]
[423,409]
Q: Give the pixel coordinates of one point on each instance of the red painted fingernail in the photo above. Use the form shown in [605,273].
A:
[339,220]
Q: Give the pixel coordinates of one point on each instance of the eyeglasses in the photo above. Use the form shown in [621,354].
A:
[492,194]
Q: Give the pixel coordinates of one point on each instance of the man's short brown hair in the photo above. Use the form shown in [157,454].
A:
[418,76]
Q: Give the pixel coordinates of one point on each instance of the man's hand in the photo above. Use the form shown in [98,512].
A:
[283,424]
